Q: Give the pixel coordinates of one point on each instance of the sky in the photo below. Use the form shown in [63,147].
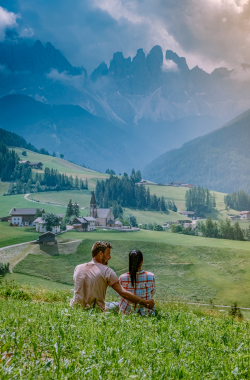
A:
[208,33]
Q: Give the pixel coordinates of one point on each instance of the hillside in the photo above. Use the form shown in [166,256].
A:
[219,160]
[72,131]
[181,272]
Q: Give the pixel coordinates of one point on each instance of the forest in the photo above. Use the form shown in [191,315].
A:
[199,200]
[239,201]
[127,193]
[12,139]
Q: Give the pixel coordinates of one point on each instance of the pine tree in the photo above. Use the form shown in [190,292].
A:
[69,211]
[76,210]
[76,182]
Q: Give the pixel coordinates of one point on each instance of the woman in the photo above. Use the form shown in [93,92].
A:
[139,282]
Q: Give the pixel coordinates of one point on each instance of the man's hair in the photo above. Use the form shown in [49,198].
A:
[100,246]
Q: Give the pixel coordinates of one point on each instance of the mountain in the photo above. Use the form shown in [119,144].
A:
[13,140]
[153,100]
[36,59]
[219,160]
[71,130]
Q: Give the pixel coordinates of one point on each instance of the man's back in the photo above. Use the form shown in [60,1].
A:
[91,282]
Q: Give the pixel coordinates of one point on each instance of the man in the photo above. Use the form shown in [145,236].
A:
[93,278]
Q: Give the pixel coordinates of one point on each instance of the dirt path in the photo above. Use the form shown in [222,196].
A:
[43,203]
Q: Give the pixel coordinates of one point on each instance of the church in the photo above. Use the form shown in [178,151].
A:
[104,216]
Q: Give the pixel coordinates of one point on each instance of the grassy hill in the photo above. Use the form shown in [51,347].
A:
[51,340]
[63,166]
[219,160]
[193,273]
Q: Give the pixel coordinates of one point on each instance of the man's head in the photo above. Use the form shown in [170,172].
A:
[101,252]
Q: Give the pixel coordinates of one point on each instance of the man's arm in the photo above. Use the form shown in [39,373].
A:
[132,297]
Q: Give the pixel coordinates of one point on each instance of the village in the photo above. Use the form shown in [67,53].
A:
[99,217]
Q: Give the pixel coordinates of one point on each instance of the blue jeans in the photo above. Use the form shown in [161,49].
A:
[112,306]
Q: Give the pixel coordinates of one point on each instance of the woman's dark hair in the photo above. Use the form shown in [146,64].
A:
[135,259]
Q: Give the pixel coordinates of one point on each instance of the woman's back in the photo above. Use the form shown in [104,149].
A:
[143,287]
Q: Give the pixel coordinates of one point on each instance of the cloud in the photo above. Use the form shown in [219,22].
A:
[77,81]
[209,33]
[26,33]
[7,21]
[169,65]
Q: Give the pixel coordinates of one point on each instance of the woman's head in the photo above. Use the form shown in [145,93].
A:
[135,260]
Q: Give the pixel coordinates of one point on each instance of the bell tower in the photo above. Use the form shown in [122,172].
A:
[93,206]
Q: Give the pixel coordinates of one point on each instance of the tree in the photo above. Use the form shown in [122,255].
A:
[132,220]
[238,234]
[76,182]
[24,153]
[39,213]
[61,155]
[70,210]
[54,154]
[76,210]
[51,221]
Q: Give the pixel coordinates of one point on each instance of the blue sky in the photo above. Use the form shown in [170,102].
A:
[210,33]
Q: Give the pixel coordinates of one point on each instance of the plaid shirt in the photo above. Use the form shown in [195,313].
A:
[144,288]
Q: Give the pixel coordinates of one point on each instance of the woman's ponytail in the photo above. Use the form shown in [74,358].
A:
[135,259]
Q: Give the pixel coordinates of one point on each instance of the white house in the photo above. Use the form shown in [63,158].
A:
[245,215]
[41,226]
[84,224]
[23,216]
[91,222]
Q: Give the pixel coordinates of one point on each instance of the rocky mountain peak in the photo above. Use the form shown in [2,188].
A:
[100,71]
[180,61]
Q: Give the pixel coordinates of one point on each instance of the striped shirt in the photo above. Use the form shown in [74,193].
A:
[144,288]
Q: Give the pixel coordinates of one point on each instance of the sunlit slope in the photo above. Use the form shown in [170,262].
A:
[63,166]
[177,194]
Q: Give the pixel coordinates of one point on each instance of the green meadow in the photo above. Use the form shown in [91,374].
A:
[63,166]
[15,235]
[49,340]
[190,273]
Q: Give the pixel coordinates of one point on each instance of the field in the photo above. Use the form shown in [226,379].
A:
[62,197]
[52,341]
[186,273]
[177,194]
[15,235]
[62,166]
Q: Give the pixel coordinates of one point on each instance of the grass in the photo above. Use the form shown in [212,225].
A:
[160,237]
[63,166]
[188,273]
[62,197]
[52,341]
[15,235]
[26,281]
[177,194]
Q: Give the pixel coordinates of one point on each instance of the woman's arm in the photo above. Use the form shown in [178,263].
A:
[132,297]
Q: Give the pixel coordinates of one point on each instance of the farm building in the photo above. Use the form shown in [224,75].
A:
[244,215]
[103,216]
[23,216]
[41,226]
[84,224]
[33,165]
[48,238]
[190,214]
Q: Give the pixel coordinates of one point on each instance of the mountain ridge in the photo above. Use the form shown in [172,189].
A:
[219,160]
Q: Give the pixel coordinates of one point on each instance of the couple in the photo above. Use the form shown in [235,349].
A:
[135,287]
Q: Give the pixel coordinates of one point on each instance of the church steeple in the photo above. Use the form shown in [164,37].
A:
[93,206]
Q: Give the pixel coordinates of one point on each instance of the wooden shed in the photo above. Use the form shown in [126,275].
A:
[48,238]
